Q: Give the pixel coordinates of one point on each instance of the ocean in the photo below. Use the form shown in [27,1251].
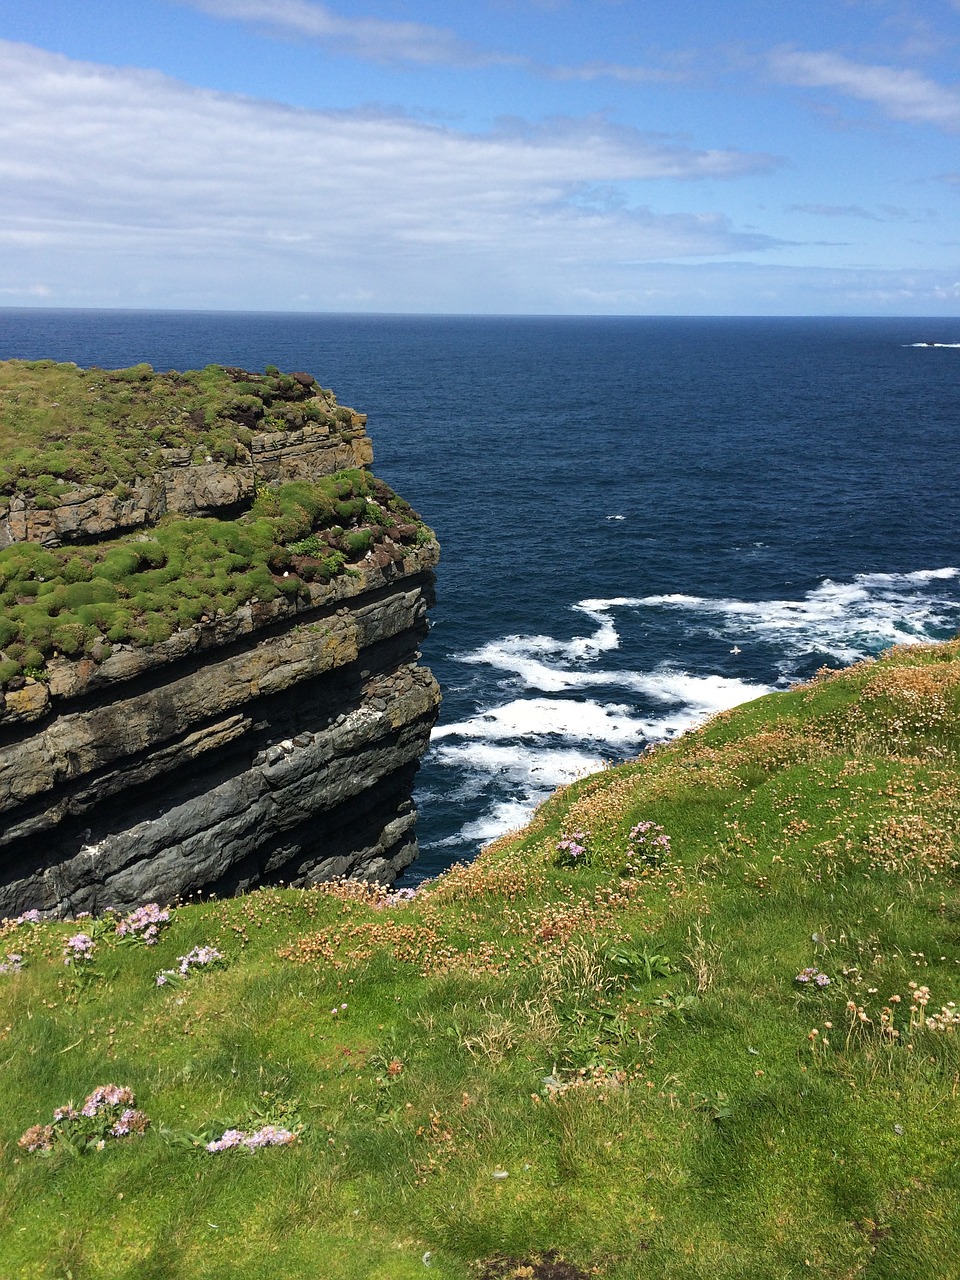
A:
[643,520]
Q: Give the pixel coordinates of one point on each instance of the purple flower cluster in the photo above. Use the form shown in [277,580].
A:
[269,1136]
[145,922]
[573,849]
[108,1112]
[648,843]
[813,978]
[78,948]
[130,1122]
[106,1097]
[28,917]
[397,898]
[197,958]
[13,963]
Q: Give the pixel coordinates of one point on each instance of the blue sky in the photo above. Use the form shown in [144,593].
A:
[506,156]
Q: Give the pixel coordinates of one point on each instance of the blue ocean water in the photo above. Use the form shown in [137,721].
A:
[643,520]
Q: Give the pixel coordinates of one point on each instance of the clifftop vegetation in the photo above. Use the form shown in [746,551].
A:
[63,426]
[699,1019]
[136,576]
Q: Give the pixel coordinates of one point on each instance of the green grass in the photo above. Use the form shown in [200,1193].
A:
[61,426]
[630,1048]
[139,589]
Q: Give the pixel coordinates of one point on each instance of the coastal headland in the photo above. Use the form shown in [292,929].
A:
[211,614]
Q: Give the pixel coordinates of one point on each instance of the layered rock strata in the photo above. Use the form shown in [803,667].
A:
[276,743]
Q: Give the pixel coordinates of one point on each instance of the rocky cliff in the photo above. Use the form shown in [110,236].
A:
[211,613]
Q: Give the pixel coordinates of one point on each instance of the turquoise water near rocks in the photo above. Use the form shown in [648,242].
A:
[643,520]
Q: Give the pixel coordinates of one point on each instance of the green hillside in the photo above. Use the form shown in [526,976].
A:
[699,1019]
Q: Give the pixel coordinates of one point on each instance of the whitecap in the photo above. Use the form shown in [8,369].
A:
[512,753]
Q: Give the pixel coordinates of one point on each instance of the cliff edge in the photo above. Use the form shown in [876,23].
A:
[210,618]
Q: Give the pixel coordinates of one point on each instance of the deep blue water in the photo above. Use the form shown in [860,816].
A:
[642,520]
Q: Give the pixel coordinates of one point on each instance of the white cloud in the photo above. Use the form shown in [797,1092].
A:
[836,211]
[616,71]
[373,38]
[216,199]
[901,94]
[420,44]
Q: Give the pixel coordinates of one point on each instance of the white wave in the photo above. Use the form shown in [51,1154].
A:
[528,775]
[551,717]
[507,815]
[918,575]
[950,345]
[844,620]
[509,756]
[538,768]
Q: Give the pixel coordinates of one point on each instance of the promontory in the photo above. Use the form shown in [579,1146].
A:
[210,619]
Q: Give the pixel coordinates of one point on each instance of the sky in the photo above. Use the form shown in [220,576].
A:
[755,157]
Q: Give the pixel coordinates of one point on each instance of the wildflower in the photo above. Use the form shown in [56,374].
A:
[28,917]
[37,1138]
[108,1112]
[13,963]
[106,1096]
[649,843]
[145,922]
[78,948]
[572,849]
[198,957]
[130,1122]
[812,976]
[267,1136]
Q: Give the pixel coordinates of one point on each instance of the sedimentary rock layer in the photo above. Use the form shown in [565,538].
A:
[274,743]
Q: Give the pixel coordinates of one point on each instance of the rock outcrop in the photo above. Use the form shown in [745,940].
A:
[275,742]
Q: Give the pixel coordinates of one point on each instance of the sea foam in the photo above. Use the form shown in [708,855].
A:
[542,719]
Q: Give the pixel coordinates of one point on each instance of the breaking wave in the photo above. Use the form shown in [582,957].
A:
[549,710]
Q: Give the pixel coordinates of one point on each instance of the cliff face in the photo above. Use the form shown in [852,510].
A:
[274,740]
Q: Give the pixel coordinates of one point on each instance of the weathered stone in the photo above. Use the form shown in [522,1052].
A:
[276,743]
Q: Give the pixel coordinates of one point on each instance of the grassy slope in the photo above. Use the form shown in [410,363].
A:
[655,1117]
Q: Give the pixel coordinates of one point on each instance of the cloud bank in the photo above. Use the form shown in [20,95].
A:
[218,197]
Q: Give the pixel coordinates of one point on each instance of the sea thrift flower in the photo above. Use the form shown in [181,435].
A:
[812,977]
[199,956]
[105,1096]
[13,963]
[268,1136]
[38,1138]
[648,843]
[108,1112]
[145,922]
[28,917]
[572,849]
[78,948]
[131,1121]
